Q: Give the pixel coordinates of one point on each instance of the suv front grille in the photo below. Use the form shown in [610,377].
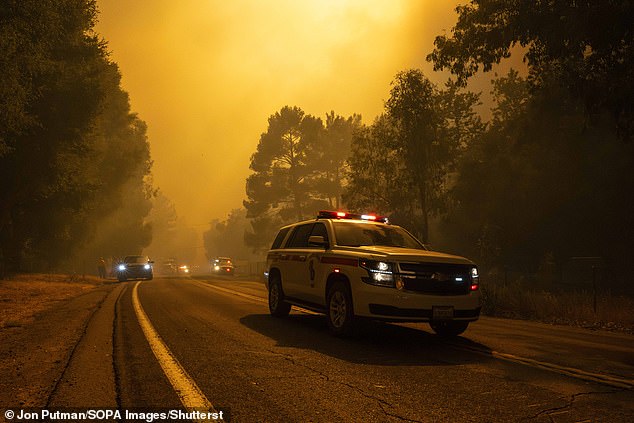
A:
[437,278]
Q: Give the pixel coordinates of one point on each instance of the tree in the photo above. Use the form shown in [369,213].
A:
[226,238]
[402,165]
[118,172]
[170,238]
[71,153]
[50,97]
[538,184]
[280,165]
[378,180]
[586,46]
[433,126]
[329,157]
[281,188]
[411,108]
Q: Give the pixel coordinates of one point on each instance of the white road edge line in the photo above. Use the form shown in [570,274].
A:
[250,297]
[614,381]
[602,378]
[189,393]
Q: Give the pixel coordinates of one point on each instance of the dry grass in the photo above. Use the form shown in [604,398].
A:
[23,296]
[516,300]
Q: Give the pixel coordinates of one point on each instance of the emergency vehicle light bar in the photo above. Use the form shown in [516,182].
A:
[326,214]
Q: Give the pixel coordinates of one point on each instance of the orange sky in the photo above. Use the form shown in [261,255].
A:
[206,74]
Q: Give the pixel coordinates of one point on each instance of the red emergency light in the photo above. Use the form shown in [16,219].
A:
[327,214]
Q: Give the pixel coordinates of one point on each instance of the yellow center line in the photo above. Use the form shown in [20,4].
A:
[189,393]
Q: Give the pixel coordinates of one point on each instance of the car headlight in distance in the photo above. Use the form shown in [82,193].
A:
[122,267]
[216,267]
[475,279]
[147,267]
[380,273]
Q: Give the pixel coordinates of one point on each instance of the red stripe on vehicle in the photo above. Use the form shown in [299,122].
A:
[340,261]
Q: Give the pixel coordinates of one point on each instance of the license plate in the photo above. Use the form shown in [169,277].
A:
[442,313]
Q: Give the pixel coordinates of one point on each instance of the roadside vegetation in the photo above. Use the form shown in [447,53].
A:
[547,178]
[576,308]
[74,159]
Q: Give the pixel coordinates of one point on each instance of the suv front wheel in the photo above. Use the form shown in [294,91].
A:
[277,306]
[339,311]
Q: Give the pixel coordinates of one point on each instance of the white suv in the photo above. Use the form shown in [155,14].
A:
[348,265]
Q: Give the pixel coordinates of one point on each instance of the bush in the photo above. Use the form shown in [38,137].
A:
[516,300]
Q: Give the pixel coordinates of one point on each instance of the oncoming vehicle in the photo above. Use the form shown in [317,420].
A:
[348,266]
[135,267]
[223,266]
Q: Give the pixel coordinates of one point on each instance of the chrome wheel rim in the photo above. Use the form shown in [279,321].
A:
[338,309]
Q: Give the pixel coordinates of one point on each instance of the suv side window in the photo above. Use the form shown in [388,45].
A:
[299,237]
[279,238]
[319,229]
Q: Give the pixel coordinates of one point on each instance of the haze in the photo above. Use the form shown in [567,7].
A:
[205,75]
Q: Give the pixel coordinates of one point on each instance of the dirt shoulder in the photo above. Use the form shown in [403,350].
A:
[42,318]
[24,296]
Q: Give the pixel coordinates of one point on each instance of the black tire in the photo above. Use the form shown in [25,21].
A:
[339,309]
[449,329]
[277,306]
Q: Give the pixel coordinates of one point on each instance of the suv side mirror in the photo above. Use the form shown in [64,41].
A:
[317,240]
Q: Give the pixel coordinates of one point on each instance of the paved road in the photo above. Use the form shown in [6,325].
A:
[211,342]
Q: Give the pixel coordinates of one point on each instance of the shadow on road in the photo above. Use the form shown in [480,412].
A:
[372,342]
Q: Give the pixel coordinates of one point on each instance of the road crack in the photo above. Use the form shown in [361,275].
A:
[570,403]
[385,405]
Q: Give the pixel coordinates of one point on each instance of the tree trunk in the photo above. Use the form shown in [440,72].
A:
[422,191]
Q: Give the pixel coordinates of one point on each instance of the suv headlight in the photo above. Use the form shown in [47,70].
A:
[122,267]
[380,273]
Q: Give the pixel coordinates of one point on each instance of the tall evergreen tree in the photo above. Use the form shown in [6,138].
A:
[69,146]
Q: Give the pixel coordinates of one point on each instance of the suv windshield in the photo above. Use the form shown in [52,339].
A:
[136,259]
[351,234]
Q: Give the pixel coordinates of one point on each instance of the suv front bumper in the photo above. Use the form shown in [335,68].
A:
[395,305]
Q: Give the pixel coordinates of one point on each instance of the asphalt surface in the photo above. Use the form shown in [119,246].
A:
[256,368]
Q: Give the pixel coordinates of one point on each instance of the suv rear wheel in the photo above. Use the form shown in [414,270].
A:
[339,311]
[448,329]
[277,306]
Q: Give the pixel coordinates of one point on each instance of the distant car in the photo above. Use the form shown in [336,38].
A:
[183,269]
[222,265]
[167,267]
[135,267]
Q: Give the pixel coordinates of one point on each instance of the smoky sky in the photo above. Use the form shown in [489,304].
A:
[206,74]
